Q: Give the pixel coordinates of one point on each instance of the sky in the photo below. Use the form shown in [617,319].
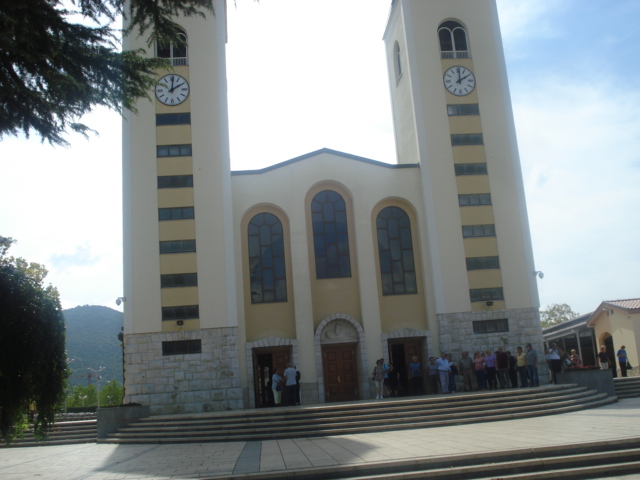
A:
[308,74]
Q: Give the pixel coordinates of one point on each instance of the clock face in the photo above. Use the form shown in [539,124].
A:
[172,89]
[459,81]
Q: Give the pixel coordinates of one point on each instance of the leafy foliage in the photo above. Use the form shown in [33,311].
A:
[53,71]
[556,313]
[111,394]
[92,341]
[33,366]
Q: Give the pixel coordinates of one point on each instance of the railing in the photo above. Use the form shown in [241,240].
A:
[179,61]
[452,54]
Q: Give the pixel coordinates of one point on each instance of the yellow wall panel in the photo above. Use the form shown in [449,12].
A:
[178,263]
[175,197]
[179,296]
[480,247]
[177,230]
[469,154]
[476,215]
[173,134]
[172,325]
[175,166]
[485,278]
[465,123]
[473,184]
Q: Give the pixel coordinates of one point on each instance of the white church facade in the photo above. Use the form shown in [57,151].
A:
[328,261]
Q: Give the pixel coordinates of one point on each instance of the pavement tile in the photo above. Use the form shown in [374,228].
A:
[206,460]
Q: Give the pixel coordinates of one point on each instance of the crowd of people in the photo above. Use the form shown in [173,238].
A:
[488,370]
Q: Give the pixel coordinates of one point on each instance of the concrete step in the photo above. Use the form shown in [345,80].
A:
[627,387]
[586,460]
[373,416]
[63,433]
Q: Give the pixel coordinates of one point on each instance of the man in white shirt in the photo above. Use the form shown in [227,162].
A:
[443,372]
[290,385]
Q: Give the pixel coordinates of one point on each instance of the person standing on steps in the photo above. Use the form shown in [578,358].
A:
[466,367]
[603,358]
[290,385]
[443,372]
[415,373]
[531,359]
[298,401]
[622,360]
[276,387]
[502,367]
[378,378]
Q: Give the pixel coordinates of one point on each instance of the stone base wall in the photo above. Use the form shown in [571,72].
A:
[191,383]
[456,332]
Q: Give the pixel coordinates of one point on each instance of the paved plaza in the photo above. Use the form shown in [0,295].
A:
[208,460]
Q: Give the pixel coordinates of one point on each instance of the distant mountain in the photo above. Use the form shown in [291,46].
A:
[92,341]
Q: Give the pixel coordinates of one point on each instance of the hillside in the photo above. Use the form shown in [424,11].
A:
[92,340]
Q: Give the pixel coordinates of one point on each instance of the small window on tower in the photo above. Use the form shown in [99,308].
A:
[175,52]
[453,40]
[397,63]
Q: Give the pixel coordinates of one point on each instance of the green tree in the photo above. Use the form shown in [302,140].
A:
[83,396]
[33,364]
[111,394]
[556,313]
[61,59]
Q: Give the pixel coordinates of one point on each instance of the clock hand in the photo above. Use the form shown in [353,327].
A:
[458,81]
[171,91]
[464,78]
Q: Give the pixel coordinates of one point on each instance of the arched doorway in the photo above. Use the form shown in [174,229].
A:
[339,342]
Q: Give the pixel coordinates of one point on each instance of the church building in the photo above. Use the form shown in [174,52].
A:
[329,261]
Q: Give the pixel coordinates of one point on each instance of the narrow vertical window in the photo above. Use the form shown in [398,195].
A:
[267,272]
[330,235]
[397,61]
[395,248]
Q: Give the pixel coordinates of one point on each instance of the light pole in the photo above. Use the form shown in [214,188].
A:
[98,377]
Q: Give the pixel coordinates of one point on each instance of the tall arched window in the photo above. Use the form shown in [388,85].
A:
[397,269]
[453,40]
[176,53]
[330,235]
[266,259]
[397,61]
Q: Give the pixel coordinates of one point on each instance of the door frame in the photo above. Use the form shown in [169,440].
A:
[249,400]
[354,335]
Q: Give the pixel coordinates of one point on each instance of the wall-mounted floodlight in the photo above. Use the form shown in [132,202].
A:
[119,300]
[538,274]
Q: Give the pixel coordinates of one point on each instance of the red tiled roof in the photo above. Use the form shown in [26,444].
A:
[630,304]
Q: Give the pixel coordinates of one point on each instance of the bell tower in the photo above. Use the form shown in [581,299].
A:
[452,115]
[179,276]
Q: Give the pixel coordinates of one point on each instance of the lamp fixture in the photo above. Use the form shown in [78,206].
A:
[538,274]
[119,300]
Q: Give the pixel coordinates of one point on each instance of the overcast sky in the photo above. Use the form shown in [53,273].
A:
[308,74]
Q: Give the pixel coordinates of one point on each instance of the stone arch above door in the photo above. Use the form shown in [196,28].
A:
[335,329]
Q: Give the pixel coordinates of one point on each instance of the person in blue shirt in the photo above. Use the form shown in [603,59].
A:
[622,359]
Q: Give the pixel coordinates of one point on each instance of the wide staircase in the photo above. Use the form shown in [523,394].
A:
[360,417]
[627,387]
[596,460]
[67,429]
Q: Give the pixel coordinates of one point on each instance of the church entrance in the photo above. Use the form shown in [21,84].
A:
[400,352]
[265,363]
[340,372]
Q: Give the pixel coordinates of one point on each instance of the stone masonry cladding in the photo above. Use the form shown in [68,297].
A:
[192,383]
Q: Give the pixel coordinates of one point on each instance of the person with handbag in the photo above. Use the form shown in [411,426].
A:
[623,360]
